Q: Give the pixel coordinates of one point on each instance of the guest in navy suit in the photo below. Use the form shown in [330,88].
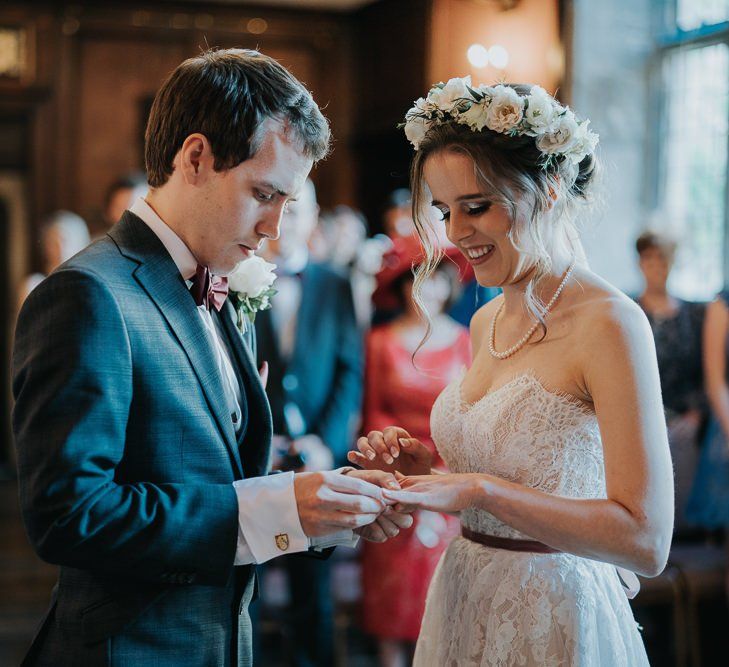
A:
[142,427]
[313,347]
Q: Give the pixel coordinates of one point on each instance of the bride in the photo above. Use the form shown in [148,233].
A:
[555,437]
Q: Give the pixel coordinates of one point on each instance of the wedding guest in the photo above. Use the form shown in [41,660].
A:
[708,505]
[338,237]
[397,391]
[312,345]
[62,235]
[121,194]
[676,326]
[341,240]
[397,219]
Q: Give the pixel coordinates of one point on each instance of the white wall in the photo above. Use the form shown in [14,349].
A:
[611,46]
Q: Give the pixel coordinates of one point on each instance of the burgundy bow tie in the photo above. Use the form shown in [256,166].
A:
[208,289]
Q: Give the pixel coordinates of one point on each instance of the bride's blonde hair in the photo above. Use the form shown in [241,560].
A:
[542,202]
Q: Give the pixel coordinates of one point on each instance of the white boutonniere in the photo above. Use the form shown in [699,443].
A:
[250,287]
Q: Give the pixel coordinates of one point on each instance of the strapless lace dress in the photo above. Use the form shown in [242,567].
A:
[492,607]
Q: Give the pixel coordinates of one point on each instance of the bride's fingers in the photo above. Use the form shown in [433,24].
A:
[405,497]
[392,436]
[364,447]
[376,442]
[416,449]
[408,482]
[358,459]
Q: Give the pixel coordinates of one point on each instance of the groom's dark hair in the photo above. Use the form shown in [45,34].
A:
[226,95]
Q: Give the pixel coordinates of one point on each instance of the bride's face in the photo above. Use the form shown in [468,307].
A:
[477,226]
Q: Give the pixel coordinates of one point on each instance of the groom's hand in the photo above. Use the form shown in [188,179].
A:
[390,522]
[328,502]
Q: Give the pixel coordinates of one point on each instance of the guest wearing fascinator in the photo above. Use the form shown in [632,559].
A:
[396,574]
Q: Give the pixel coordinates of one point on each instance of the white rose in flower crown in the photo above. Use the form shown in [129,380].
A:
[447,97]
[585,143]
[476,115]
[415,130]
[541,110]
[506,109]
[561,136]
[252,277]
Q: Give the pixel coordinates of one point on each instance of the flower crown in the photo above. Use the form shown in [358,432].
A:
[558,133]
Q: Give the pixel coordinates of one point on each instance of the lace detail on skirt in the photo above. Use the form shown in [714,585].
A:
[492,607]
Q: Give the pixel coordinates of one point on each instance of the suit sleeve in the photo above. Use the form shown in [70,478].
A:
[338,423]
[73,381]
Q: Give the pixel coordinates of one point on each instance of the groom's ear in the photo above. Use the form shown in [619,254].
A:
[195,158]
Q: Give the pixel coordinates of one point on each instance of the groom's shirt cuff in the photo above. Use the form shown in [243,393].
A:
[268,521]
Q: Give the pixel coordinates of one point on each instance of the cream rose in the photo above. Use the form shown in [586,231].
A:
[252,277]
[505,110]
[561,136]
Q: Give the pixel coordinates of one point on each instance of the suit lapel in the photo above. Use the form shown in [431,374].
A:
[259,412]
[158,275]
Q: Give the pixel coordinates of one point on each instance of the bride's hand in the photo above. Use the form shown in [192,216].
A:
[439,493]
[393,449]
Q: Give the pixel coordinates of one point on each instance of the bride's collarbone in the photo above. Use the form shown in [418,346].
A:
[556,370]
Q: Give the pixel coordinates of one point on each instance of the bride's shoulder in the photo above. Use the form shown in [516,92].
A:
[602,310]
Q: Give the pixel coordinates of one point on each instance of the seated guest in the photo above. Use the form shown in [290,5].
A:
[676,326]
[396,574]
[313,347]
[62,235]
[708,504]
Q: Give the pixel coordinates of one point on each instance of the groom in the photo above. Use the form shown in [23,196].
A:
[141,424]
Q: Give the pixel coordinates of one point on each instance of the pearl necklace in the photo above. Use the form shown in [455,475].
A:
[525,338]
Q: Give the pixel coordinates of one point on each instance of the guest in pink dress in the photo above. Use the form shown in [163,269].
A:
[396,574]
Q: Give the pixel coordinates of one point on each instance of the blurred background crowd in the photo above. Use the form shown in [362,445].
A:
[76,84]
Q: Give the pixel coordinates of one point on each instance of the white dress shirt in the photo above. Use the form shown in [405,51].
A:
[266,505]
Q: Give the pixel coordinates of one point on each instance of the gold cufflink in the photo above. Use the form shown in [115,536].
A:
[282,541]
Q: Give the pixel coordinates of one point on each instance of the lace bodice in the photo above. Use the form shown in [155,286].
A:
[524,433]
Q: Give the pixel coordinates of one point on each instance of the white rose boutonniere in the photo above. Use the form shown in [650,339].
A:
[250,287]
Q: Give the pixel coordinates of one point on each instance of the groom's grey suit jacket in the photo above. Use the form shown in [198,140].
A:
[126,459]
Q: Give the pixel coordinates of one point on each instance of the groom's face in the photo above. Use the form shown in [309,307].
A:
[240,208]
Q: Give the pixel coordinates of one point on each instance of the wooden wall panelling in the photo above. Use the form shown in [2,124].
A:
[391,43]
[119,56]
[117,77]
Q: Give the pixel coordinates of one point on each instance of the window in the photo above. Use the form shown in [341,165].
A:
[692,14]
[694,144]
